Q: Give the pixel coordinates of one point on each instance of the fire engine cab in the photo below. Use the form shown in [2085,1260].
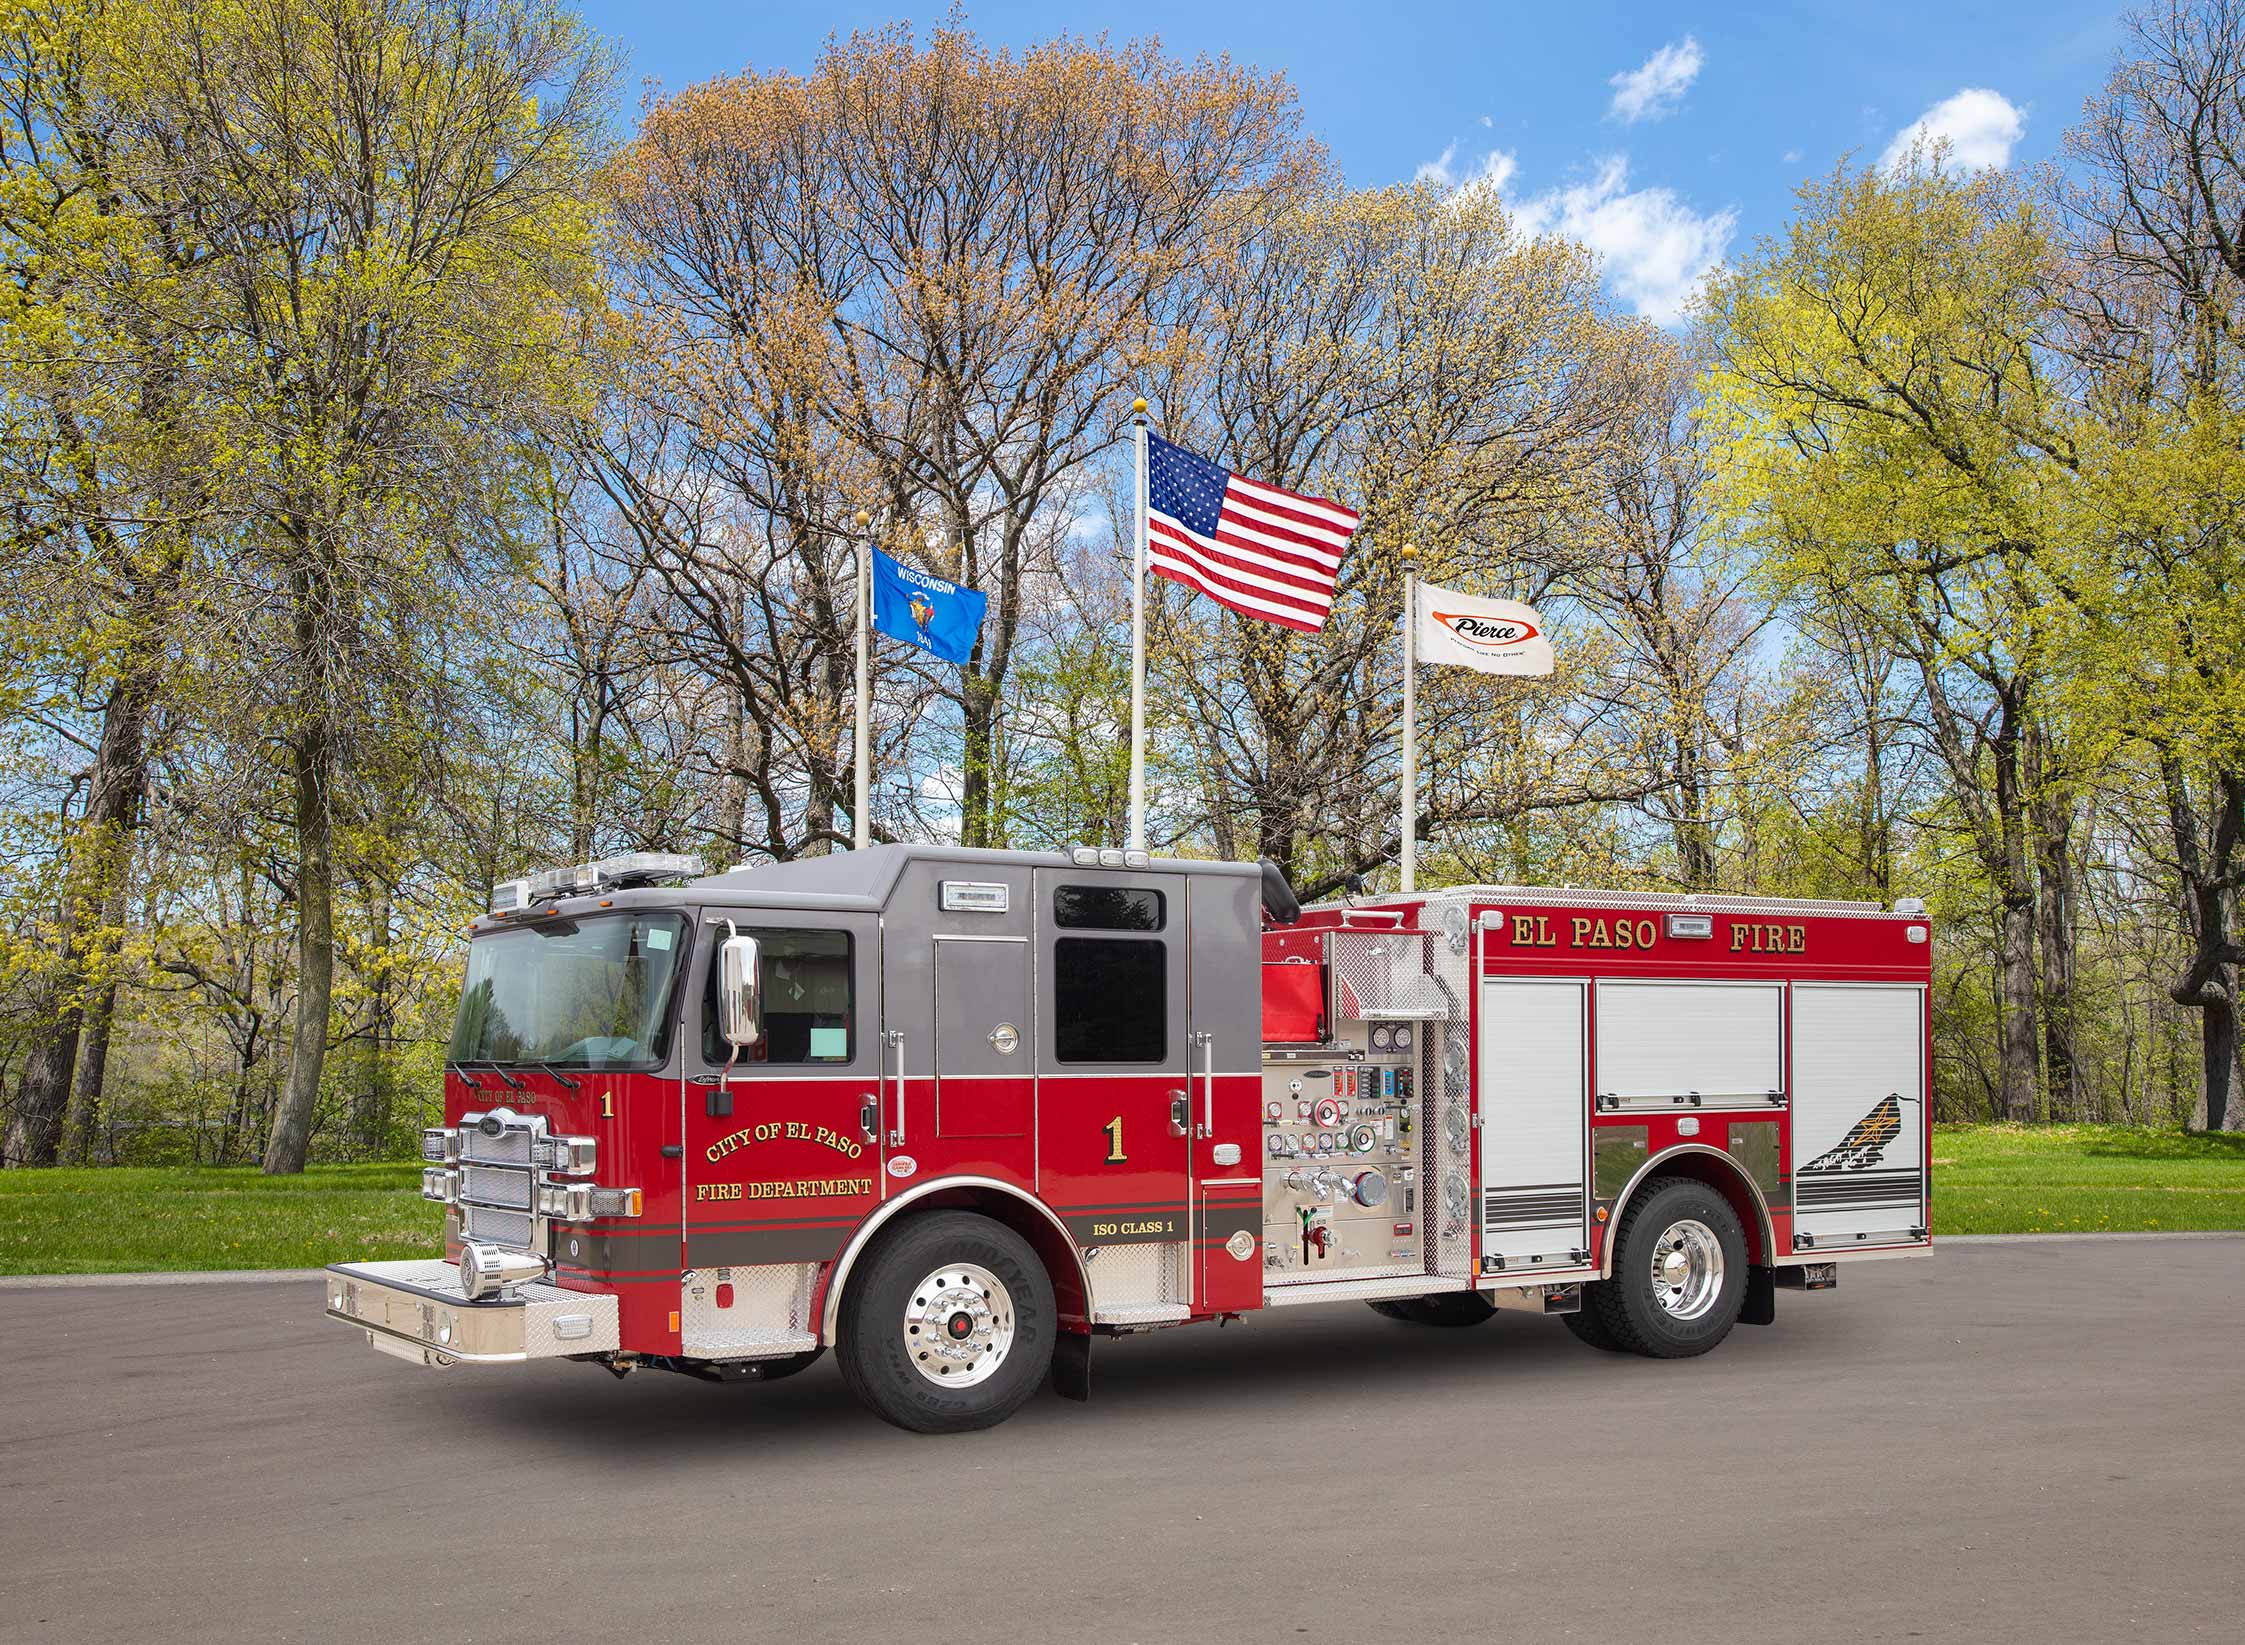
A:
[958,1114]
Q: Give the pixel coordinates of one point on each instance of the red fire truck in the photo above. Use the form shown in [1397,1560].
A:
[960,1114]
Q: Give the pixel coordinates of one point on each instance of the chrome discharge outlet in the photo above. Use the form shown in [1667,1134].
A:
[488,1271]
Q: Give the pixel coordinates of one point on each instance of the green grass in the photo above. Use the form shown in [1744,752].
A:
[131,1219]
[2018,1179]
[1988,1179]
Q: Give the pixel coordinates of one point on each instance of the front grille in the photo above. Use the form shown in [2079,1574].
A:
[509,1228]
[509,1147]
[483,1185]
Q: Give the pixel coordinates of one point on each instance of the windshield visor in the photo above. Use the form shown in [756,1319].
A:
[591,993]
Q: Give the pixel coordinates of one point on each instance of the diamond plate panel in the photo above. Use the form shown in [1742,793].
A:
[1128,1279]
[770,1312]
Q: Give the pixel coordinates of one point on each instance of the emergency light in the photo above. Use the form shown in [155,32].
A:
[582,879]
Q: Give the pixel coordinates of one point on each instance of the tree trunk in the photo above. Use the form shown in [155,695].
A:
[2015,933]
[2053,813]
[43,1094]
[2203,860]
[84,1131]
[315,950]
[92,877]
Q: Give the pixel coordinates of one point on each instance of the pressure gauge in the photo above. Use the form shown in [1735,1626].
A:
[1325,1142]
[1362,1138]
[1278,1142]
[1328,1112]
[1271,1110]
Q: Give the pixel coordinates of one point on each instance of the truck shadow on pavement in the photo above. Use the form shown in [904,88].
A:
[1178,1376]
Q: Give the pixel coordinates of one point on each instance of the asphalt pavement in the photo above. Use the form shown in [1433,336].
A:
[2004,1442]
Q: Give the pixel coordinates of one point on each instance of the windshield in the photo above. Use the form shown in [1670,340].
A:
[590,993]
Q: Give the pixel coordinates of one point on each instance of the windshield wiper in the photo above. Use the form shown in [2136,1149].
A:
[466,1078]
[559,1075]
[512,1083]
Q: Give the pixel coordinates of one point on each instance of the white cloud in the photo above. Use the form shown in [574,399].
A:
[1487,122]
[1977,125]
[1792,157]
[1494,171]
[1652,91]
[1438,170]
[1655,247]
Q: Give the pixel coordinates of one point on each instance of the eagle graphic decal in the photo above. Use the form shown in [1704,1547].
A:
[1866,1141]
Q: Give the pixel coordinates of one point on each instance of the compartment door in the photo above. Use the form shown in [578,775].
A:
[1858,1113]
[984,1056]
[1530,1072]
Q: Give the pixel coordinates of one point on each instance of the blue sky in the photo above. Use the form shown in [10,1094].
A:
[1666,136]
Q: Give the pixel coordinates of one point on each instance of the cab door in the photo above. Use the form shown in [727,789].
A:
[782,1150]
[1115,1062]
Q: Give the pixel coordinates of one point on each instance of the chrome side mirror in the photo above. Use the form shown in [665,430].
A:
[740,1001]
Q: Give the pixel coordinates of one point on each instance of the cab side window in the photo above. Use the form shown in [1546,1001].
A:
[809,1001]
[1110,993]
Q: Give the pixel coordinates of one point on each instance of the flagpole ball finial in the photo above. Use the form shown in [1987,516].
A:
[1410,551]
[1138,408]
[863,519]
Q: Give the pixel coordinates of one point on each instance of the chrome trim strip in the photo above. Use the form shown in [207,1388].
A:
[889,1208]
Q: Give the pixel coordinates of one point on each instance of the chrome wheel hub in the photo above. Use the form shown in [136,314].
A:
[1687,1269]
[958,1325]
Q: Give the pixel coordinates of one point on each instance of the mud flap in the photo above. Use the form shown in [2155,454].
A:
[1761,1297]
[1071,1366]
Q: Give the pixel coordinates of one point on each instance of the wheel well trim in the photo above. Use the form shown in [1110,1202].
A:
[830,1315]
[1652,1166]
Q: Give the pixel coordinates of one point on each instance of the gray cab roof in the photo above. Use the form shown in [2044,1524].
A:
[864,879]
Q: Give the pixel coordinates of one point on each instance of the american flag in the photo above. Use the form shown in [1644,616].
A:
[1264,552]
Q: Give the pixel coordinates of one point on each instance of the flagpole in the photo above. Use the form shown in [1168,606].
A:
[1137,840]
[861,811]
[1410,718]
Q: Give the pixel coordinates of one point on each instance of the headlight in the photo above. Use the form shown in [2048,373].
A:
[442,1186]
[564,1156]
[440,1143]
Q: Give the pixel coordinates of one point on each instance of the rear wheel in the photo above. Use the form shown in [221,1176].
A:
[1679,1273]
[948,1326]
[1445,1308]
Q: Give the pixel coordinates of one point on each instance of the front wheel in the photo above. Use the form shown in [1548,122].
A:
[1679,1274]
[949,1326]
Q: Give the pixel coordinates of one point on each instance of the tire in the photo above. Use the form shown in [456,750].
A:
[1588,1325]
[949,1324]
[1444,1309]
[778,1370]
[1697,1305]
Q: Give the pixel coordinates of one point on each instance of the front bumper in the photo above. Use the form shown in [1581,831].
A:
[417,1311]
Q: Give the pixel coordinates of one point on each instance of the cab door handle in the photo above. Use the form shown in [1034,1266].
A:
[1180,1114]
[869,1118]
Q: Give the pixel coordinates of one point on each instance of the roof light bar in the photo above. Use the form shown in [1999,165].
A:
[581,879]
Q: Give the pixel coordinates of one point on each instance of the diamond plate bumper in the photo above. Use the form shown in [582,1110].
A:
[417,1311]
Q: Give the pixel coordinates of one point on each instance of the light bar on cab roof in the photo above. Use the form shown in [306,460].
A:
[609,873]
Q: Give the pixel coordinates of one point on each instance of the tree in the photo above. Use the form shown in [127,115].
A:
[1893,435]
[391,197]
[2157,210]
